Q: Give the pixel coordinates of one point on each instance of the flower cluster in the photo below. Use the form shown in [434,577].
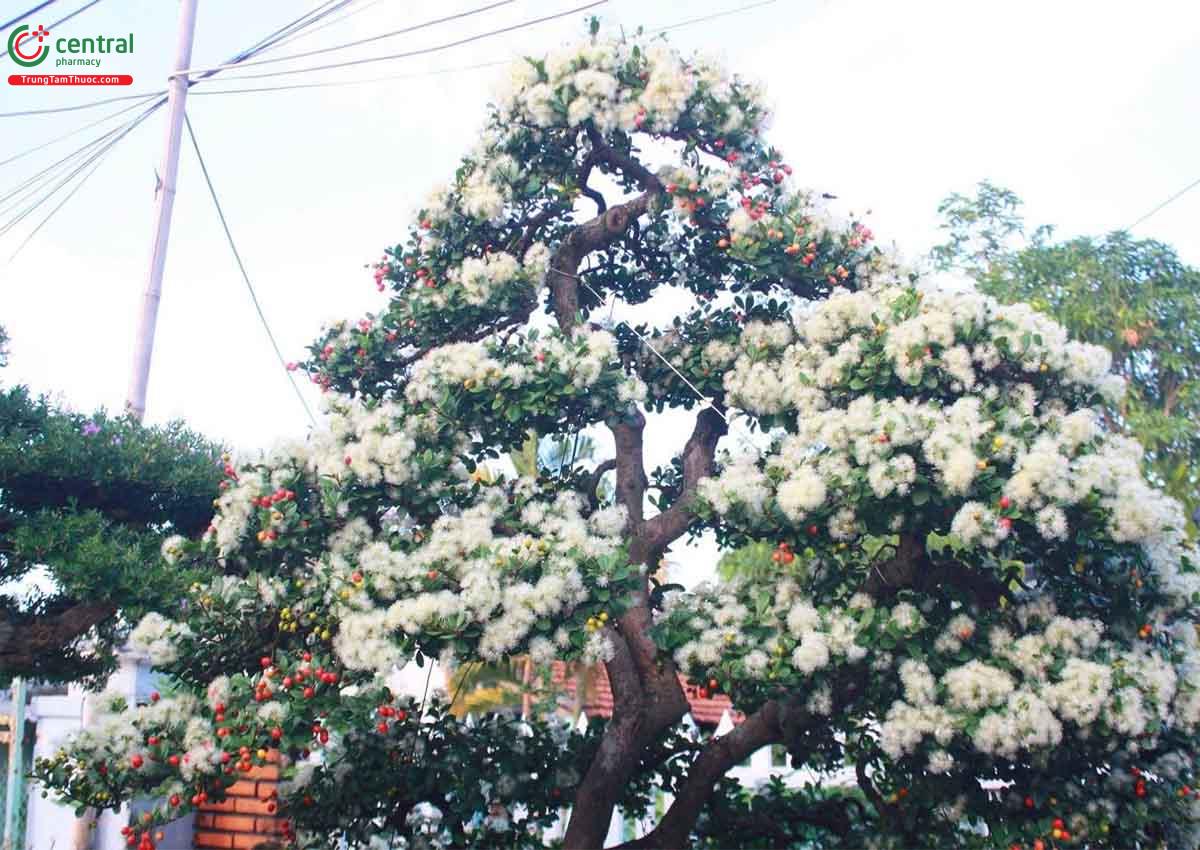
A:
[617,85]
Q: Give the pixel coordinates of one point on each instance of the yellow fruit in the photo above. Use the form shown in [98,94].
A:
[998,443]
[981,465]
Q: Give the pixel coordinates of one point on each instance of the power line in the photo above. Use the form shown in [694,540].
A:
[309,31]
[75,131]
[44,177]
[424,50]
[78,106]
[242,268]
[127,128]
[361,41]
[713,16]
[261,45]
[340,83]
[47,172]
[441,71]
[63,20]
[25,15]
[98,160]
[1189,187]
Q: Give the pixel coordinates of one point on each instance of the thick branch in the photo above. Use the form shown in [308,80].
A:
[761,728]
[23,645]
[631,470]
[604,153]
[563,276]
[912,567]
[662,530]
[614,762]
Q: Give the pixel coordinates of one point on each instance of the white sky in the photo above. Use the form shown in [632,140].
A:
[1088,110]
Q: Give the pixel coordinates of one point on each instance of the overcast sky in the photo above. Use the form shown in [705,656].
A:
[1088,110]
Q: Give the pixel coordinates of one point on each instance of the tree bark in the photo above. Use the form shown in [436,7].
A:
[23,644]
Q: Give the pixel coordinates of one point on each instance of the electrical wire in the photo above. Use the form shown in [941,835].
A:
[310,30]
[439,71]
[242,268]
[291,56]
[47,175]
[25,15]
[419,52]
[712,17]
[21,216]
[62,20]
[75,131]
[260,46]
[1189,187]
[47,172]
[104,102]
[98,160]
[340,83]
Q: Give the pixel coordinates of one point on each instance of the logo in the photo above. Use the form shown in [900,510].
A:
[30,55]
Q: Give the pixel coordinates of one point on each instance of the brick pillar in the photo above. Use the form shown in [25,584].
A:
[245,820]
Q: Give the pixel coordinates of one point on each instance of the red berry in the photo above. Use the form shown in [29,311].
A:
[307,656]
[308,693]
[154,696]
[173,761]
[401,715]
[265,661]
[382,727]
[175,801]
[812,530]
[136,762]
[1005,503]
[152,740]
[276,734]
[1029,802]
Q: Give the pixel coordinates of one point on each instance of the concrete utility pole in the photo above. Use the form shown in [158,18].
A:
[165,200]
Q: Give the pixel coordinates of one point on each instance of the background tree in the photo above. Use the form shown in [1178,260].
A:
[1132,296]
[993,625]
[85,505]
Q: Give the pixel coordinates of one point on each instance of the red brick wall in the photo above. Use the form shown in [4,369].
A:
[245,820]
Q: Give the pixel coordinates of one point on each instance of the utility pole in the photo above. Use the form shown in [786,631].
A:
[177,88]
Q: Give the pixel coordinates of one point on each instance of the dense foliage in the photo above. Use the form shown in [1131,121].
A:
[85,504]
[976,602]
[1132,296]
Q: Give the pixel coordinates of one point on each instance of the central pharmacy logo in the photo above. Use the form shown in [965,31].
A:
[19,47]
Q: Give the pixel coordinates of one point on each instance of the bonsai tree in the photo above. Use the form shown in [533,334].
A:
[980,606]
[86,502]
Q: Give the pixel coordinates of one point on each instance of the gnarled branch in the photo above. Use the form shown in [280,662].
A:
[698,453]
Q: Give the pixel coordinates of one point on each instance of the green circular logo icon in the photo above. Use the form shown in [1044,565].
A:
[26,47]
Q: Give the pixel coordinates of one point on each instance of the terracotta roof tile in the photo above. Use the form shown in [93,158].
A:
[598,701]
